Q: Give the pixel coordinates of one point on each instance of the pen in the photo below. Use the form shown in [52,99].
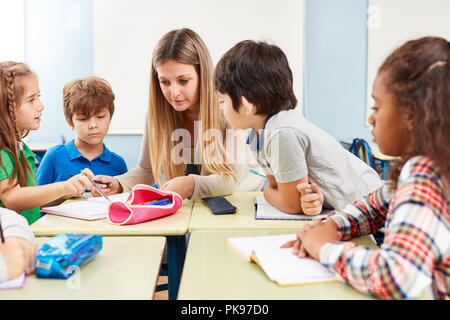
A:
[96,187]
[257,173]
[96,181]
[1,231]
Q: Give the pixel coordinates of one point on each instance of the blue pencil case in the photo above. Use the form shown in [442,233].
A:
[60,257]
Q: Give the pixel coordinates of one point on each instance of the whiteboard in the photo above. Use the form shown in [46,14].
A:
[393,22]
[126,32]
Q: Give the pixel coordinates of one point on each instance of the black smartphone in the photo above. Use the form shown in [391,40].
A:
[219,205]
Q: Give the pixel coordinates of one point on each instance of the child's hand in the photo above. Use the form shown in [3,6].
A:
[184,186]
[314,236]
[19,255]
[108,185]
[75,186]
[311,202]
[297,248]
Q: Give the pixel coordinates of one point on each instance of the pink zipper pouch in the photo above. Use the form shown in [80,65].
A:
[144,203]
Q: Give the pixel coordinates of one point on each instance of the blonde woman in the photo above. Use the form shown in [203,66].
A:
[183,143]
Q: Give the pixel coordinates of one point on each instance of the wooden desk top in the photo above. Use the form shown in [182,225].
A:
[203,219]
[174,224]
[125,268]
[214,270]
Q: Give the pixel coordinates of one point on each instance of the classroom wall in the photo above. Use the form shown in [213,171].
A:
[59,50]
[126,32]
[335,68]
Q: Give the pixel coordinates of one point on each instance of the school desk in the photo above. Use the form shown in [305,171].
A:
[174,227]
[203,219]
[125,268]
[214,270]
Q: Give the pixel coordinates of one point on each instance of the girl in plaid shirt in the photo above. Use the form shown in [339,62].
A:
[411,120]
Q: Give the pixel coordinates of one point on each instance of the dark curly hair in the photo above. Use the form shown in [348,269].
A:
[418,78]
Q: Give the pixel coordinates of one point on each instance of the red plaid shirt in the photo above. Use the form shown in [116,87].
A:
[416,249]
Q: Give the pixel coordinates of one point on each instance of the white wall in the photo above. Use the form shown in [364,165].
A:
[393,22]
[12,30]
[126,32]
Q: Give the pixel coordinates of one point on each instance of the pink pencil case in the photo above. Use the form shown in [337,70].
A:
[135,210]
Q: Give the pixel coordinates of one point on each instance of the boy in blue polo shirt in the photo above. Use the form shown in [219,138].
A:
[88,107]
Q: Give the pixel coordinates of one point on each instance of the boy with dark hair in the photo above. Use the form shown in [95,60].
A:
[255,88]
[88,108]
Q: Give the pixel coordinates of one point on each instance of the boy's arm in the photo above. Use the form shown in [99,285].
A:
[285,152]
[285,196]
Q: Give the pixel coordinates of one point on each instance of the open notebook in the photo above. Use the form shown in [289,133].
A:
[279,264]
[265,211]
[93,209]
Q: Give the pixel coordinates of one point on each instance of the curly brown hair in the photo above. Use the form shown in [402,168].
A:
[418,78]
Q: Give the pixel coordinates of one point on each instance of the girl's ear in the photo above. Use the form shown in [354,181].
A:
[249,108]
[408,118]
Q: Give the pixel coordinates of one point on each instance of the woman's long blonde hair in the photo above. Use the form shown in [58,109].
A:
[11,95]
[186,46]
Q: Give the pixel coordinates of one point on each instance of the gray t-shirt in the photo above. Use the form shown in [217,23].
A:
[291,148]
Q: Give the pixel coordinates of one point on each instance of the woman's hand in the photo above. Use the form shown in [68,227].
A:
[312,202]
[184,186]
[109,185]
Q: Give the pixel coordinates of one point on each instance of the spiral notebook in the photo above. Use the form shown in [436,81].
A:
[279,264]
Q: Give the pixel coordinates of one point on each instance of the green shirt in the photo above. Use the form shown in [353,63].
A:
[5,173]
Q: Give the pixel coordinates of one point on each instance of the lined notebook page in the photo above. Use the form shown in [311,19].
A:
[279,264]
[282,267]
[265,211]
[86,210]
[245,245]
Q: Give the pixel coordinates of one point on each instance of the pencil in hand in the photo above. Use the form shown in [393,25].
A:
[96,181]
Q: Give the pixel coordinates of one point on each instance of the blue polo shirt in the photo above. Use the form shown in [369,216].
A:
[63,160]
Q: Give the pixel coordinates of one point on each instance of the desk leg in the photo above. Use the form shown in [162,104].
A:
[176,251]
